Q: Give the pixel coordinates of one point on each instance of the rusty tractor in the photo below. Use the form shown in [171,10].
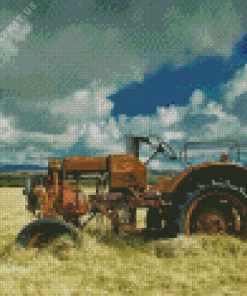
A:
[207,198]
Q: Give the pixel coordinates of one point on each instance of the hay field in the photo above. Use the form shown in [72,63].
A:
[108,265]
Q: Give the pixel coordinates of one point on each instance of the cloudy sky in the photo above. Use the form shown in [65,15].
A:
[77,76]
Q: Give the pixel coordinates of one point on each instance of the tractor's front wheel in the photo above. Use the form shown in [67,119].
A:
[41,232]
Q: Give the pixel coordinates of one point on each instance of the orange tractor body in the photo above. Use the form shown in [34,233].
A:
[123,170]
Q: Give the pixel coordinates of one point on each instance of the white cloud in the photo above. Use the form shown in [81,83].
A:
[7,130]
[235,87]
[85,104]
[168,116]
[103,106]
[197,100]
[235,98]
[104,137]
[174,135]
[113,129]
[72,106]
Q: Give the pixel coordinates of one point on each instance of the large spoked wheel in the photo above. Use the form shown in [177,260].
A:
[42,232]
[215,209]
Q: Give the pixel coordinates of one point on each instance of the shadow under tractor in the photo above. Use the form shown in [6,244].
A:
[207,198]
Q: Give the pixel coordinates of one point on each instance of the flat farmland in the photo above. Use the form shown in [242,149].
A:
[105,264]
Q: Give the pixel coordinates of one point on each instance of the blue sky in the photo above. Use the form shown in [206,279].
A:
[77,78]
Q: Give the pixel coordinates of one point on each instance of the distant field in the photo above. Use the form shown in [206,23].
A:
[10,182]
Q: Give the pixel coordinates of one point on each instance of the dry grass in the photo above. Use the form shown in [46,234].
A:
[110,265]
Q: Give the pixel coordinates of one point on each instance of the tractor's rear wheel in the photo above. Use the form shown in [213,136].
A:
[215,209]
[211,221]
